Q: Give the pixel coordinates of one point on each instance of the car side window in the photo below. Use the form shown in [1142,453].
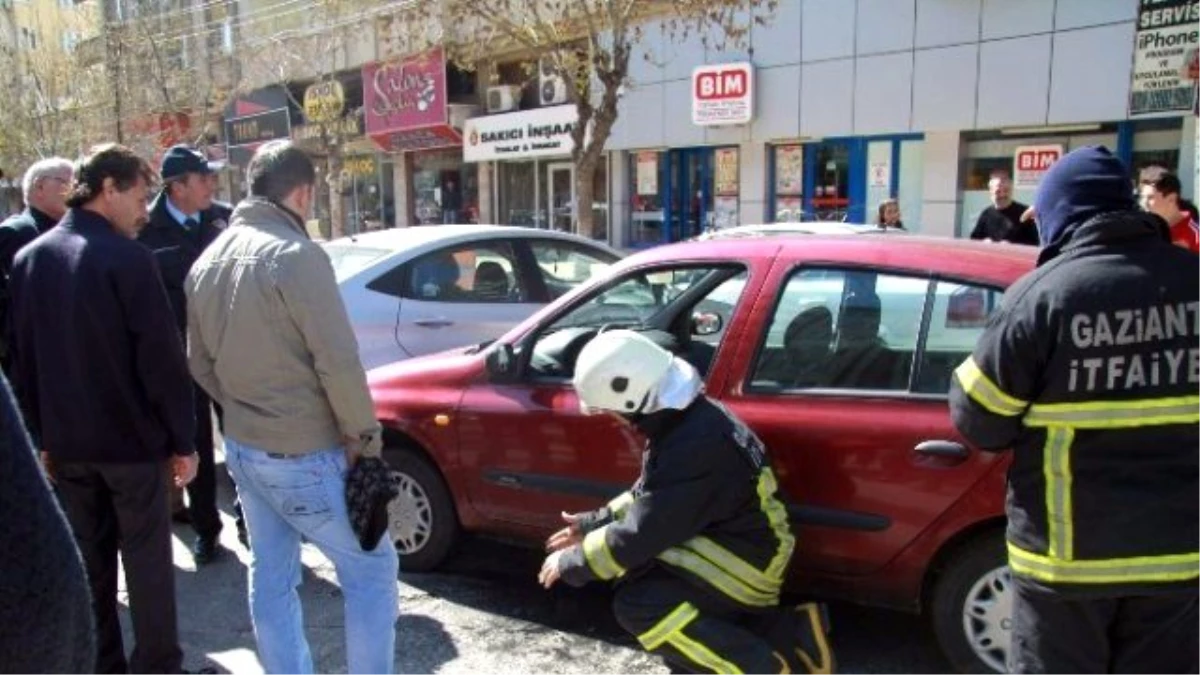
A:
[959,314]
[478,273]
[564,265]
[842,329]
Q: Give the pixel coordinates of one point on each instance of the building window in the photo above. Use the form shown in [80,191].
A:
[444,188]
[646,191]
[789,183]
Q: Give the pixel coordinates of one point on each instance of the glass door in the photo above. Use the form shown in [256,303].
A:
[830,196]
[691,205]
[560,177]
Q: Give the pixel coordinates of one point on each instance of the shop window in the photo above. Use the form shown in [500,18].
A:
[445,189]
[1157,143]
[646,213]
[789,183]
[518,193]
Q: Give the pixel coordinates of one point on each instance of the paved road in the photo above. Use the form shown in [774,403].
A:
[483,613]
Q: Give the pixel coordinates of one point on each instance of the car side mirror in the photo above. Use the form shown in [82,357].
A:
[707,323]
[501,363]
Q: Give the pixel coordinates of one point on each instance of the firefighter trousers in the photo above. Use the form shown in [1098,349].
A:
[1132,634]
[699,631]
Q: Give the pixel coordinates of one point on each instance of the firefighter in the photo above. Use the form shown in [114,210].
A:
[1089,372]
[699,547]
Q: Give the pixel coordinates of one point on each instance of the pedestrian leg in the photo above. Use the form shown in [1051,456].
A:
[89,510]
[1156,634]
[140,503]
[1051,634]
[274,571]
[691,628]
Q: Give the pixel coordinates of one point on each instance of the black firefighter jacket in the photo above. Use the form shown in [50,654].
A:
[176,249]
[706,507]
[1089,372]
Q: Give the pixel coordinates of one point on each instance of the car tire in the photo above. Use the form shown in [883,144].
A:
[971,606]
[422,522]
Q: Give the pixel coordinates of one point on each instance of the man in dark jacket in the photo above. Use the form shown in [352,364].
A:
[1005,219]
[184,220]
[45,191]
[103,382]
[700,546]
[1089,372]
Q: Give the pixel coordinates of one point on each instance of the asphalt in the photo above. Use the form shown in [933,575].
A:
[483,612]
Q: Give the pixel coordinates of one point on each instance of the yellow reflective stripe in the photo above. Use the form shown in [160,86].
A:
[599,557]
[824,656]
[719,578]
[620,503]
[1056,466]
[784,668]
[732,564]
[1177,567]
[1116,414]
[675,621]
[986,393]
[701,655]
[777,516]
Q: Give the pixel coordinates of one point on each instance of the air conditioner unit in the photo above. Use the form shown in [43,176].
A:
[503,98]
[552,87]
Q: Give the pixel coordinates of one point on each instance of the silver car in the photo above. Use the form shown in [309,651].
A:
[420,290]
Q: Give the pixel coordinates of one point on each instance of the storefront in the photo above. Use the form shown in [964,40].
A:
[845,179]
[409,118]
[1139,143]
[529,152]
[680,193]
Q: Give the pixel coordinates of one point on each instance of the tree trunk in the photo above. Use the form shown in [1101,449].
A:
[337,216]
[585,182]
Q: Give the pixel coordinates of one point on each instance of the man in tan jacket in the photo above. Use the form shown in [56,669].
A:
[269,340]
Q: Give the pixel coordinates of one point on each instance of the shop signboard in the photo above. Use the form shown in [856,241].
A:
[543,132]
[324,102]
[1166,57]
[405,103]
[723,94]
[1031,162]
[253,119]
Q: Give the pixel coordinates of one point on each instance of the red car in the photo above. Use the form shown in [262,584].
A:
[837,350]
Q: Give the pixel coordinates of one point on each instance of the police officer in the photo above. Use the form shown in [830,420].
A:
[1089,372]
[184,220]
[700,546]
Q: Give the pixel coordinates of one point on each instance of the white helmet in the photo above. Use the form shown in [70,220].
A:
[625,372]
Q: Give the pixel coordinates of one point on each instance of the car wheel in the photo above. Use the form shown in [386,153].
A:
[971,606]
[421,519]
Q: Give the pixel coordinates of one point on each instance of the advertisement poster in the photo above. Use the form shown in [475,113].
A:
[789,170]
[881,174]
[1165,57]
[725,176]
[647,173]
[725,212]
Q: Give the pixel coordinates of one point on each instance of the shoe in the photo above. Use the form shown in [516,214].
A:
[205,550]
[812,647]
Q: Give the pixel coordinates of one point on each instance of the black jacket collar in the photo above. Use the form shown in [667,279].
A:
[41,220]
[1117,228]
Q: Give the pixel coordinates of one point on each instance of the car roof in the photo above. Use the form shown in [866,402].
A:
[999,263]
[423,235]
[815,227]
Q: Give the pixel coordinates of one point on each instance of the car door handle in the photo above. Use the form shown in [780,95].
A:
[434,323]
[943,449]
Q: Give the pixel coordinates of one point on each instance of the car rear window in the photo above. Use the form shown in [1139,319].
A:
[348,259]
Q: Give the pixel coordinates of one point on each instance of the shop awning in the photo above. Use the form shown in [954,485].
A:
[424,138]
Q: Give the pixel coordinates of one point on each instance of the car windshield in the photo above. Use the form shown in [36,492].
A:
[634,301]
[349,259]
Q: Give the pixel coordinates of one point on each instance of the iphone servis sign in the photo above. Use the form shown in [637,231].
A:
[723,94]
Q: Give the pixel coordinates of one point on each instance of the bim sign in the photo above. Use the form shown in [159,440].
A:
[723,94]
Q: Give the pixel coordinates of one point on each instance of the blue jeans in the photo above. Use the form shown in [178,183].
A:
[285,498]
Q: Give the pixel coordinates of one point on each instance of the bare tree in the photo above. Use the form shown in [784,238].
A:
[590,44]
[51,98]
